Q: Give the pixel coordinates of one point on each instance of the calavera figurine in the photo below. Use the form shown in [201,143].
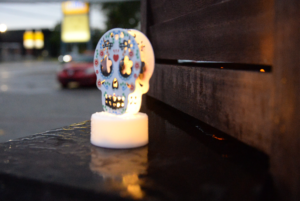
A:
[123,63]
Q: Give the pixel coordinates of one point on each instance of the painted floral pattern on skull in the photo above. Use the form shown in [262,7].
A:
[117,63]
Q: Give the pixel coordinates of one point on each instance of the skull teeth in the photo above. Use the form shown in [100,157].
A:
[114,102]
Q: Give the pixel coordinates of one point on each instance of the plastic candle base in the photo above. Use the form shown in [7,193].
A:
[119,131]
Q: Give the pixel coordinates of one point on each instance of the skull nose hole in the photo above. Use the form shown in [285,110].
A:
[115,84]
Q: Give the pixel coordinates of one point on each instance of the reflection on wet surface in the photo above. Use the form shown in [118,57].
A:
[120,169]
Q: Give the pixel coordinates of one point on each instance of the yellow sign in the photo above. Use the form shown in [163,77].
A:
[74,7]
[28,40]
[38,35]
[28,35]
[75,28]
[33,40]
[38,40]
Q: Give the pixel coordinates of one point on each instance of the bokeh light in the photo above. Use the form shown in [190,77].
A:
[67,58]
[3,28]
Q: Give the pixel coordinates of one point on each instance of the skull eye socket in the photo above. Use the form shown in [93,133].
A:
[126,67]
[106,66]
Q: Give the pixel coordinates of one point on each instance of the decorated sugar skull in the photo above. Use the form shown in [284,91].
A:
[123,63]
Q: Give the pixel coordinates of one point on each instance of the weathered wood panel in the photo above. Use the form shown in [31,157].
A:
[259,109]
[164,10]
[285,160]
[232,31]
[235,102]
[144,13]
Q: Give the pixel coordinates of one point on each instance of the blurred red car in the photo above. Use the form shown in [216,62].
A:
[79,68]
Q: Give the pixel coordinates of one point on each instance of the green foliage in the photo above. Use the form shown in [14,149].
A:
[122,14]
[54,41]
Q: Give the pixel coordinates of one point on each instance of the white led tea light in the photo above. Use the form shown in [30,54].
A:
[124,64]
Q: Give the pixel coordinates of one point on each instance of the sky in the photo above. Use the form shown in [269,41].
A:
[41,15]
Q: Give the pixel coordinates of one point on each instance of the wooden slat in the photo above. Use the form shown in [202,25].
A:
[233,31]
[144,18]
[164,10]
[235,102]
[261,109]
[285,160]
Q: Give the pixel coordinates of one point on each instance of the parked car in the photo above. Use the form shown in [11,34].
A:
[77,68]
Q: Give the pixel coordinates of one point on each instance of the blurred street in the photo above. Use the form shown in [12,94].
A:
[31,100]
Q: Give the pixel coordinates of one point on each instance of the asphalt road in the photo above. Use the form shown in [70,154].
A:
[31,100]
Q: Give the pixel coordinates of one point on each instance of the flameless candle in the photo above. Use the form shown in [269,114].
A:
[119,131]
[123,63]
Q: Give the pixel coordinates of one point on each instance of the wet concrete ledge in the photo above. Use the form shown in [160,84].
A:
[184,160]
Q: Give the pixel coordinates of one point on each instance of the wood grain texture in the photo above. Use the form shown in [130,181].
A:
[144,18]
[235,102]
[260,109]
[232,31]
[285,160]
[164,10]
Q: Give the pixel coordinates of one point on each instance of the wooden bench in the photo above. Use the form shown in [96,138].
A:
[248,81]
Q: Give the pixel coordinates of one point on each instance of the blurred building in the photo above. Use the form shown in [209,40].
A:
[12,49]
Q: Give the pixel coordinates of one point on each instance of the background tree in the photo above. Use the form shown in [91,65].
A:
[122,14]
[54,41]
